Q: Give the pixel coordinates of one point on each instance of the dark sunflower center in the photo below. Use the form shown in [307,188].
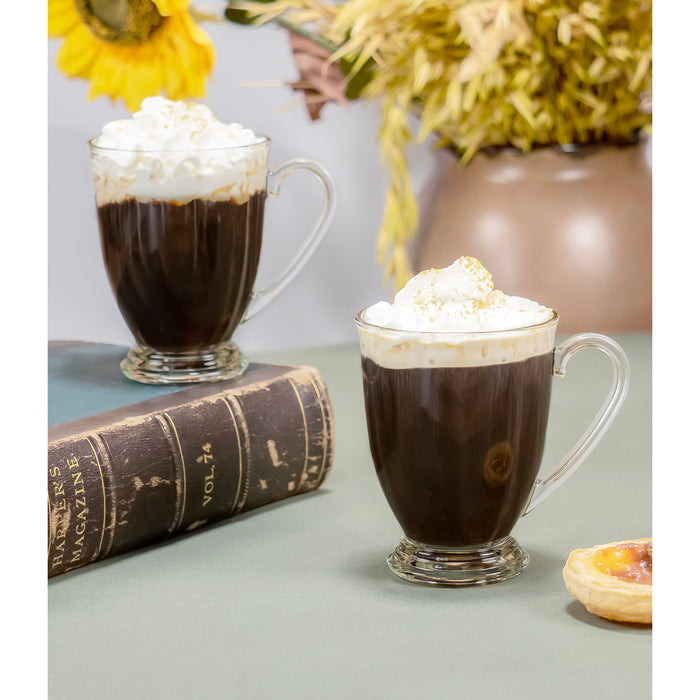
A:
[124,22]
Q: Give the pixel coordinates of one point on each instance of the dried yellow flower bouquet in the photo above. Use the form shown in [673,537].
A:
[468,74]
[478,74]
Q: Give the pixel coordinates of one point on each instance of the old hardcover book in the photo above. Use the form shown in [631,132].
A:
[131,464]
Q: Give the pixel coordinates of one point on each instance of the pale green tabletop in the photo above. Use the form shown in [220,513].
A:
[295,600]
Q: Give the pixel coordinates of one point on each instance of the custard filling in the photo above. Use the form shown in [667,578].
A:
[629,561]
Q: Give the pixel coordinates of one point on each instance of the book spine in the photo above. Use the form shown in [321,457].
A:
[148,478]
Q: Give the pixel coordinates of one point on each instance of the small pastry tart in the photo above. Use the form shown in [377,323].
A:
[613,580]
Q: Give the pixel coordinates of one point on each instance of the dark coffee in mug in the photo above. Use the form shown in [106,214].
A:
[457,449]
[182,272]
[456,413]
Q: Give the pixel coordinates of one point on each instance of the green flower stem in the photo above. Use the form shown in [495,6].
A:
[245,17]
[300,31]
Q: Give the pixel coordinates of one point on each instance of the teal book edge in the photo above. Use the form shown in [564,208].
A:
[84,379]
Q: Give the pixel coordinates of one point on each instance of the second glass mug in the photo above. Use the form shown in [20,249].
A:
[457,425]
[182,257]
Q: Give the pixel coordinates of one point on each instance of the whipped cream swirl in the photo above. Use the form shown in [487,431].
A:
[457,298]
[177,151]
[441,319]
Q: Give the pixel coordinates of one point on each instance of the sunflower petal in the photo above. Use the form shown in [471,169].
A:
[173,81]
[60,6]
[198,39]
[107,75]
[134,86]
[195,31]
[62,17]
[145,79]
[193,77]
[170,7]
[78,53]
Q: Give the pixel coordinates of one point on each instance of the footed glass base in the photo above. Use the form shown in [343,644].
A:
[463,566]
[149,366]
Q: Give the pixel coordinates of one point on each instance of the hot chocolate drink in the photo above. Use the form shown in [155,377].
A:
[457,399]
[182,273]
[457,449]
[180,202]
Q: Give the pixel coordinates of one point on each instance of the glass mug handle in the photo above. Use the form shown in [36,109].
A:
[603,419]
[261,298]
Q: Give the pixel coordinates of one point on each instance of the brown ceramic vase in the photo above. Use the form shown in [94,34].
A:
[569,228]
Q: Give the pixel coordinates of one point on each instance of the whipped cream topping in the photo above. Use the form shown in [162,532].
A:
[442,317]
[177,151]
[457,298]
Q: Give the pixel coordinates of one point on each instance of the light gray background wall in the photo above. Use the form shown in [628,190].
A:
[342,276]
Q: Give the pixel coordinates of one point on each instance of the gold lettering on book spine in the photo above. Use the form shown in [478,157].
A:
[205,457]
[59,516]
[78,503]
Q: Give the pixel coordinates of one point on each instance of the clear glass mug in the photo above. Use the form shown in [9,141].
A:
[457,425]
[181,235]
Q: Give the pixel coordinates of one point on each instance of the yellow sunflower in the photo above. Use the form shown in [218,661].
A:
[132,49]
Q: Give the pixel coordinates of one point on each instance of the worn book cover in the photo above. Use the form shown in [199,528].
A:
[130,464]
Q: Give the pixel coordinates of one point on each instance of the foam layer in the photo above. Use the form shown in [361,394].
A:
[453,317]
[177,151]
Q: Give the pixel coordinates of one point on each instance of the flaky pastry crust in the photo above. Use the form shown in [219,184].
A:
[603,593]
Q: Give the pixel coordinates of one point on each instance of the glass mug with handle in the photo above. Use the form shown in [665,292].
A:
[182,253]
[457,424]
